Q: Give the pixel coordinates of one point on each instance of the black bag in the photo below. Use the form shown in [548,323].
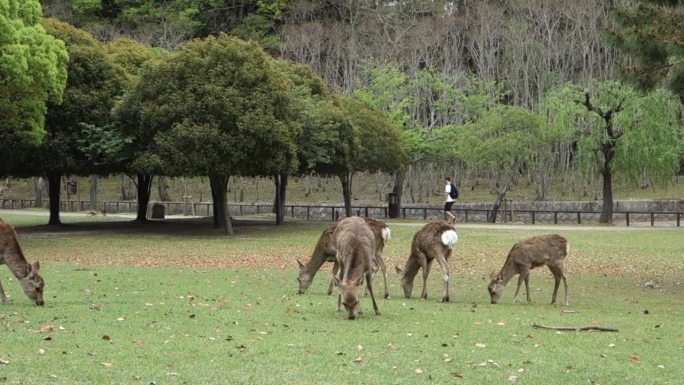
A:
[453,191]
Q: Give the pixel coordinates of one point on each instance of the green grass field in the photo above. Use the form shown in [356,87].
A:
[179,303]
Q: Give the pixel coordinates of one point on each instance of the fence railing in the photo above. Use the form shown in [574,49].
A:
[334,212]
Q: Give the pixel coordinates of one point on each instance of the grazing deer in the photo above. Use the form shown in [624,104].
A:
[355,245]
[549,250]
[27,274]
[434,241]
[325,252]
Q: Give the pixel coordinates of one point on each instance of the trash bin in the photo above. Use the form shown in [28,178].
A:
[393,205]
[158,211]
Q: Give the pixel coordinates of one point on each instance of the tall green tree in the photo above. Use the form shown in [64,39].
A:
[33,71]
[618,130]
[215,107]
[505,139]
[94,83]
[379,146]
[651,32]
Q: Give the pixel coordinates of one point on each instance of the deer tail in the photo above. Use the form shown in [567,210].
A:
[449,238]
[386,233]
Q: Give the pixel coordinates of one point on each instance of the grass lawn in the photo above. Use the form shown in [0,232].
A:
[178,303]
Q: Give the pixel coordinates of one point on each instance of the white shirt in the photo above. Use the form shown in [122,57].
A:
[447,189]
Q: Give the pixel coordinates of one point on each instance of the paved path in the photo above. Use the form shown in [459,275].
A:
[638,226]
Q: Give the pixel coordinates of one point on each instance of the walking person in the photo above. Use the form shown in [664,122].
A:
[451,195]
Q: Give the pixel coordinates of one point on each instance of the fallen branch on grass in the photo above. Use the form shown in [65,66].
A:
[576,329]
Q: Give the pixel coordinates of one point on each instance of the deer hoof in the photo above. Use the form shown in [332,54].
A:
[445,299]
[386,295]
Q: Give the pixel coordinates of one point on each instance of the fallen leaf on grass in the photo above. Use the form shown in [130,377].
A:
[513,379]
[456,375]
[501,323]
[4,361]
[41,351]
[634,359]
[391,347]
[47,327]
[106,364]
[418,370]
[359,347]
[137,342]
[480,345]
[106,337]
[358,359]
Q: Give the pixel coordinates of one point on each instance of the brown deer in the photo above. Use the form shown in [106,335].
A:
[434,241]
[355,245]
[27,274]
[549,250]
[325,252]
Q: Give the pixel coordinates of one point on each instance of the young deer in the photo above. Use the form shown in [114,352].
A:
[434,241]
[355,245]
[549,250]
[325,252]
[27,274]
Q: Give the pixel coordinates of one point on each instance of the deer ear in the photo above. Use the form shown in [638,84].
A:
[36,266]
[398,269]
[301,265]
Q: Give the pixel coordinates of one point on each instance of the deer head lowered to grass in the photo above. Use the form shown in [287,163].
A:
[325,252]
[355,245]
[27,274]
[434,241]
[549,250]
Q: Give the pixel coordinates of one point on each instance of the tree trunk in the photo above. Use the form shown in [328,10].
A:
[346,180]
[219,188]
[54,189]
[399,186]
[93,192]
[144,188]
[497,203]
[39,184]
[279,203]
[607,210]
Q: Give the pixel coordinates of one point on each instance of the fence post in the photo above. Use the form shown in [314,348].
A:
[652,219]
[627,218]
[678,219]
[333,213]
[307,212]
[385,212]
[579,218]
[466,215]
[533,212]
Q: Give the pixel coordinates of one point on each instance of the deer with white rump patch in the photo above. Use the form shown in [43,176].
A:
[325,252]
[434,241]
[355,245]
[549,250]
[27,274]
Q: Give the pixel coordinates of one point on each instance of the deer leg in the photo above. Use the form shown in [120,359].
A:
[383,268]
[564,276]
[524,272]
[2,295]
[369,286]
[335,268]
[426,272]
[445,268]
[527,287]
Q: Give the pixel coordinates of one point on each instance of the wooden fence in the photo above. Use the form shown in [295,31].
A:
[334,212]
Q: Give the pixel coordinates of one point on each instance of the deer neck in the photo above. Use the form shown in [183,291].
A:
[508,271]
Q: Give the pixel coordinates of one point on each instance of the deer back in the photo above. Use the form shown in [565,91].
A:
[355,244]
[435,237]
[538,251]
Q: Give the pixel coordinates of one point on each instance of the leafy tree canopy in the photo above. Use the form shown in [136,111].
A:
[219,94]
[652,33]
[33,70]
